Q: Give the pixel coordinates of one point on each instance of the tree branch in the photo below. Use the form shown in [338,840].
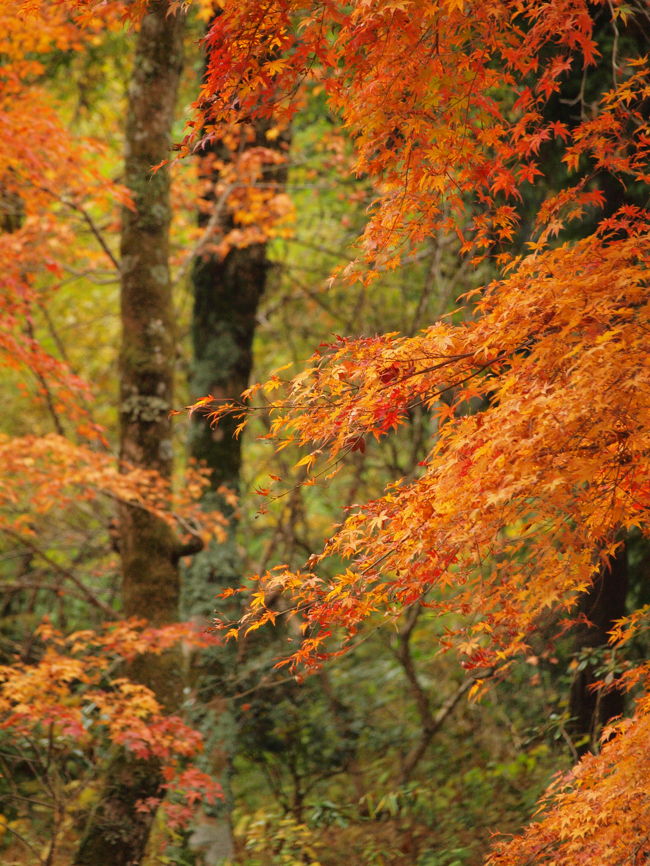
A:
[64,572]
[430,722]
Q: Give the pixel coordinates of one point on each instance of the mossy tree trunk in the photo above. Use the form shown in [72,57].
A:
[150,584]
[605,601]
[227,291]
[116,833]
[590,710]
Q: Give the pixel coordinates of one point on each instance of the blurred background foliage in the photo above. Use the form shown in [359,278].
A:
[321,771]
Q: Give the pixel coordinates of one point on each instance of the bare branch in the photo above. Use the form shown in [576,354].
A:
[86,593]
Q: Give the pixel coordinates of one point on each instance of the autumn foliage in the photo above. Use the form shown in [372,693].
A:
[537,393]
[64,713]
[466,117]
[67,702]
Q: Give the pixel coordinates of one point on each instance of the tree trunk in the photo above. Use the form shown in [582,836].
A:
[150,585]
[226,298]
[601,607]
[604,602]
[227,291]
[116,833]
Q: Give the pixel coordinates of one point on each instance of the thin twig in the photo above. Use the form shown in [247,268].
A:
[58,426]
[211,225]
[68,575]
[80,209]
[35,584]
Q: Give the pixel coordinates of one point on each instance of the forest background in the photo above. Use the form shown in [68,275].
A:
[502,194]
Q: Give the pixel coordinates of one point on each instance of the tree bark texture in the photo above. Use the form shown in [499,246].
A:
[604,603]
[116,833]
[149,563]
[227,291]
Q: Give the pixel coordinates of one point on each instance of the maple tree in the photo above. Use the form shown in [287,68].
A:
[240,207]
[54,182]
[73,697]
[52,480]
[540,459]
[535,395]
[59,488]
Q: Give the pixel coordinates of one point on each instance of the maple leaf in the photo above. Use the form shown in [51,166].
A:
[555,353]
